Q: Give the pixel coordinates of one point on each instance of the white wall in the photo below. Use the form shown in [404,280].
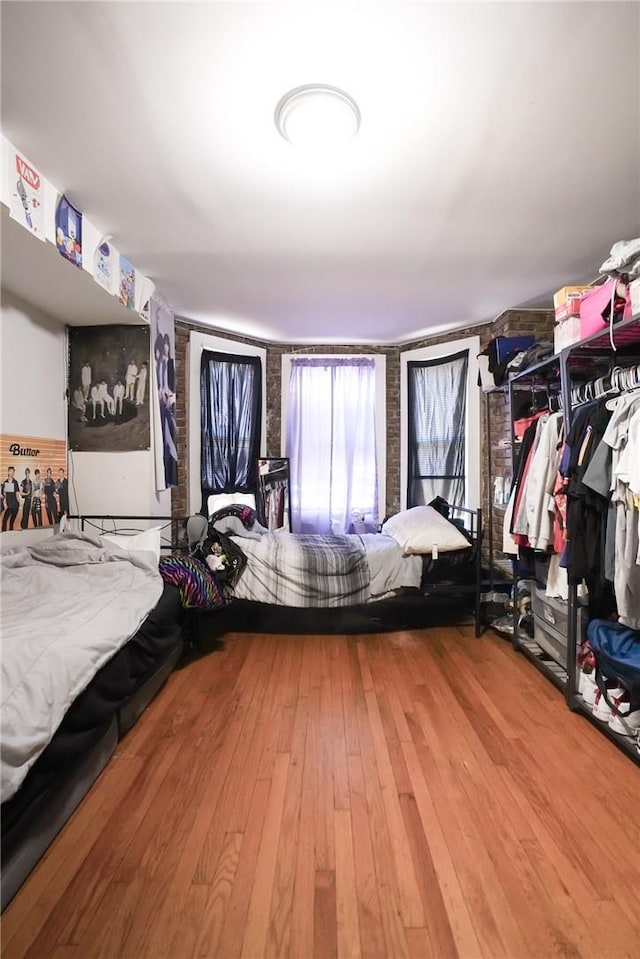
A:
[472,446]
[197,343]
[33,352]
[33,349]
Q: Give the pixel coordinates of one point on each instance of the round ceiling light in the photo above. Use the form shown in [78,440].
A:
[317,115]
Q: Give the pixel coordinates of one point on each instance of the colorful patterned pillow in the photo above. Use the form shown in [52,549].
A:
[198,587]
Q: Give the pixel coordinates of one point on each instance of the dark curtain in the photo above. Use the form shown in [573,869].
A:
[437,411]
[230,417]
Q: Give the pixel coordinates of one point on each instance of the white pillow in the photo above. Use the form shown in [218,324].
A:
[148,540]
[419,529]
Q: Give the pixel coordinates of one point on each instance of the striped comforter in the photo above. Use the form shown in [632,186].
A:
[297,569]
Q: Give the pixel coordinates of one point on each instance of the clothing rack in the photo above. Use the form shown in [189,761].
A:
[619,380]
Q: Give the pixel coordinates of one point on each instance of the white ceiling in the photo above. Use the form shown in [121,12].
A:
[498,158]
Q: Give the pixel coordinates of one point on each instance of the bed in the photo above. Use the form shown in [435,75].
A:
[422,568]
[90,632]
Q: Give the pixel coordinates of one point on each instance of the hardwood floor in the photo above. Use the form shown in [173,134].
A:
[418,794]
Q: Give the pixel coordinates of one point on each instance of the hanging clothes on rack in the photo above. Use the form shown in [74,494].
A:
[603,519]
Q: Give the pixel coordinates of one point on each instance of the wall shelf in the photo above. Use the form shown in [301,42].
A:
[34,271]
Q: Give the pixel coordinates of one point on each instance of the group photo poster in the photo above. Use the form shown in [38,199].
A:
[109,388]
[34,488]
[163,336]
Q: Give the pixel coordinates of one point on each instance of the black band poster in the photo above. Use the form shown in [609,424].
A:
[109,388]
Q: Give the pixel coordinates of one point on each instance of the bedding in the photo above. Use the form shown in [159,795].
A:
[314,570]
[198,588]
[67,606]
[424,530]
[148,539]
[299,569]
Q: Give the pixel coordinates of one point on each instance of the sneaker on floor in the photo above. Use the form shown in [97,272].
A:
[587,687]
[622,721]
[601,708]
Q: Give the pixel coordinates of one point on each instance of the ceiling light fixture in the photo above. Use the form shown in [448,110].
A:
[317,115]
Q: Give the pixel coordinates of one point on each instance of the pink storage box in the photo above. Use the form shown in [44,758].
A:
[595,307]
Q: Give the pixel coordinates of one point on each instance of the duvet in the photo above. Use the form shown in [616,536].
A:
[313,570]
[67,606]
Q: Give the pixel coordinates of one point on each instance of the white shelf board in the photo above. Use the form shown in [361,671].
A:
[34,271]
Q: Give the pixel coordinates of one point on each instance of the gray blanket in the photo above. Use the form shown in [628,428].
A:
[295,569]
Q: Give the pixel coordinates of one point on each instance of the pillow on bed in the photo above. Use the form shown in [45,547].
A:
[419,529]
[147,540]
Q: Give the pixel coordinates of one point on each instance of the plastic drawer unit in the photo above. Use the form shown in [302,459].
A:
[551,624]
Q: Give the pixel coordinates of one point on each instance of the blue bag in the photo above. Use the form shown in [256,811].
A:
[617,651]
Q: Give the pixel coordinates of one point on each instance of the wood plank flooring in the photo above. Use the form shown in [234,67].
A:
[418,794]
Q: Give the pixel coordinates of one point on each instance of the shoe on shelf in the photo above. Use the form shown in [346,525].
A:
[622,721]
[601,708]
[587,687]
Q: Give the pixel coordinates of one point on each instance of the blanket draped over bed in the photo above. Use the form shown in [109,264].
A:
[295,569]
[68,605]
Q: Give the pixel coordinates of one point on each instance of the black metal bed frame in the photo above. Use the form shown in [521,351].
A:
[176,539]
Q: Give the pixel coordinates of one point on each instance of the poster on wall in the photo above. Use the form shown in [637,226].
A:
[27,200]
[69,231]
[34,490]
[106,265]
[109,388]
[163,335]
[127,288]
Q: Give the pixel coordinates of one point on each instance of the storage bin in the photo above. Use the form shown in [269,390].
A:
[554,612]
[508,345]
[595,307]
[566,333]
[551,640]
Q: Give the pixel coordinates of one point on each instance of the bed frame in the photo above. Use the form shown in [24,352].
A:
[434,603]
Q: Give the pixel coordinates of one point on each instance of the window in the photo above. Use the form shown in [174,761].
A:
[230,405]
[332,414]
[437,409]
[216,459]
[440,443]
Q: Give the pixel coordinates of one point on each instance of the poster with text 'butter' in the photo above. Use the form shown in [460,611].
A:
[34,490]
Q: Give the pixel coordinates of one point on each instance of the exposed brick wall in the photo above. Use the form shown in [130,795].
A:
[511,322]
[496,406]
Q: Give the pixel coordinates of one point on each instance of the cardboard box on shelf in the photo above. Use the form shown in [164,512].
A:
[566,302]
[566,333]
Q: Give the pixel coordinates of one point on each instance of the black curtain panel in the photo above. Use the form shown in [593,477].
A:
[230,418]
[437,413]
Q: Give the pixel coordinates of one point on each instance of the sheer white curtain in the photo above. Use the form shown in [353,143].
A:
[331,443]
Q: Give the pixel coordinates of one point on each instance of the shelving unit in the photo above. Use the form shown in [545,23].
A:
[596,348]
[544,375]
[585,360]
